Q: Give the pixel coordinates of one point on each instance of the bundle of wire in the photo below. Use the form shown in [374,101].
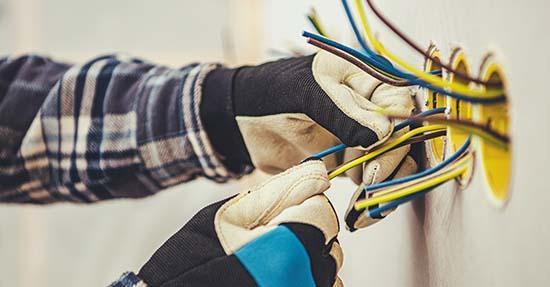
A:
[380,67]
[390,194]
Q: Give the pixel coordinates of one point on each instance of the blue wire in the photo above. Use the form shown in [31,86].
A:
[330,150]
[377,212]
[392,70]
[361,40]
[427,172]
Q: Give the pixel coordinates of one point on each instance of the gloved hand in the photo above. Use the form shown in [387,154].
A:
[392,165]
[279,233]
[276,114]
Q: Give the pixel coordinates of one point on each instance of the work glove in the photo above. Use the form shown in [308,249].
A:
[279,233]
[391,165]
[276,114]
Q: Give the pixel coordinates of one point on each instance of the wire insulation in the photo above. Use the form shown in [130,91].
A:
[424,53]
[412,187]
[429,78]
[359,64]
[463,149]
[377,66]
[383,149]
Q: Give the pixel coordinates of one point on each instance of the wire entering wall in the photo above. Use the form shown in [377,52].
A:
[425,53]
[378,61]
[429,78]
[384,66]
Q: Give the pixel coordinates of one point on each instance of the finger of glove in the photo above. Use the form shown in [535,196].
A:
[338,254]
[361,219]
[355,173]
[316,211]
[348,88]
[394,100]
[338,282]
[358,219]
[407,167]
[262,203]
[380,168]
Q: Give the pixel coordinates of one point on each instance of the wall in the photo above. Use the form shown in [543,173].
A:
[447,239]
[459,238]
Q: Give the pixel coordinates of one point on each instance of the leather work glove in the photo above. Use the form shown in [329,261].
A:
[279,233]
[276,114]
[394,164]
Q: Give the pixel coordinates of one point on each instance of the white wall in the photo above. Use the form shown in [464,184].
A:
[448,239]
[459,238]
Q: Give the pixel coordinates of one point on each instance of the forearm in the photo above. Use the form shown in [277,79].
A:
[108,129]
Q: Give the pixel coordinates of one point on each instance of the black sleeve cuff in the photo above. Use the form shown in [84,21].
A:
[218,118]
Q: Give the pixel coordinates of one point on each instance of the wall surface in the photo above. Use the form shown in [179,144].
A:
[459,238]
[449,238]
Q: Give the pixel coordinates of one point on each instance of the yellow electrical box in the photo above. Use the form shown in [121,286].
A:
[496,161]
[457,109]
[435,100]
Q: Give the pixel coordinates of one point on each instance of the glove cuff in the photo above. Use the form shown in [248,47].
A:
[218,118]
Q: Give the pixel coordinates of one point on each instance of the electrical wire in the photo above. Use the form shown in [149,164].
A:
[313,18]
[424,53]
[434,80]
[484,132]
[377,212]
[358,63]
[409,121]
[463,149]
[397,127]
[411,187]
[369,61]
[383,149]
[383,61]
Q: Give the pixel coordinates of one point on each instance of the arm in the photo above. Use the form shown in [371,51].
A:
[279,233]
[110,128]
[123,128]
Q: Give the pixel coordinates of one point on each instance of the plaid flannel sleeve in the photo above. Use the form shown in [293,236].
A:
[113,127]
[128,279]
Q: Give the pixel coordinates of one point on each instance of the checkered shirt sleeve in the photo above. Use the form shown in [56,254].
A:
[113,127]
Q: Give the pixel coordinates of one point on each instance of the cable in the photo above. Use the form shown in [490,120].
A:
[424,53]
[329,151]
[369,61]
[398,127]
[361,65]
[383,149]
[383,61]
[412,187]
[313,18]
[412,120]
[377,212]
[487,134]
[434,80]
[421,138]
[441,165]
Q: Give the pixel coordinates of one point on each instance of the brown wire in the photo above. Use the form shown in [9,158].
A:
[422,138]
[417,47]
[468,123]
[358,63]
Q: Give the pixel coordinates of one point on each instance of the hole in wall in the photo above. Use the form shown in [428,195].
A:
[458,109]
[434,100]
[496,161]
